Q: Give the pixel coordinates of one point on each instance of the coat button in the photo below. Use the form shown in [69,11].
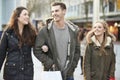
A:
[13,64]
[6,63]
[22,68]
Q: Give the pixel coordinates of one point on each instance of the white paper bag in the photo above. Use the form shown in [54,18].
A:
[51,75]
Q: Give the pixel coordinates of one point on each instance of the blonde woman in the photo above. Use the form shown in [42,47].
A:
[99,60]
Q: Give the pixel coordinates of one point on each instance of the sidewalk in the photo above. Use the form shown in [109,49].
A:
[117,52]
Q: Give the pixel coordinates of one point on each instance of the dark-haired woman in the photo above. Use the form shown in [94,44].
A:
[15,46]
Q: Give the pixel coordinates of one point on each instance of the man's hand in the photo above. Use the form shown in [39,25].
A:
[45,48]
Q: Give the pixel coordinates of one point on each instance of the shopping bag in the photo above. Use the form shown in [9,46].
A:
[51,75]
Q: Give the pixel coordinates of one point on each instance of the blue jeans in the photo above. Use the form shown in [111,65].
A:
[70,78]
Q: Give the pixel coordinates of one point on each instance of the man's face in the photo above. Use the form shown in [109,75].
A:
[58,13]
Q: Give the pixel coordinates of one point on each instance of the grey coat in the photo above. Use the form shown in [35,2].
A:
[96,66]
[46,36]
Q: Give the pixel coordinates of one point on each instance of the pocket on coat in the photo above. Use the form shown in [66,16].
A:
[10,69]
[28,71]
[92,74]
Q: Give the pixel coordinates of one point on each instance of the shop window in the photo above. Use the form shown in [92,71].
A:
[109,5]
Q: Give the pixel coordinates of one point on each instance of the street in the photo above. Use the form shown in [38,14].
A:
[38,67]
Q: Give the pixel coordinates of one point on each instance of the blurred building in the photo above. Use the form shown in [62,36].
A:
[77,10]
[6,8]
[81,13]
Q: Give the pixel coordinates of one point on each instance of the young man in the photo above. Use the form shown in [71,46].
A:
[60,36]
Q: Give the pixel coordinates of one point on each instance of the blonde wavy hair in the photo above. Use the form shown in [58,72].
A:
[107,33]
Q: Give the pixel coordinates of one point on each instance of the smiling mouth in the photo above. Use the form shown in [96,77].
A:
[26,20]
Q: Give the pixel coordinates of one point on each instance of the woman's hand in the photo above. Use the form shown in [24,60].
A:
[90,34]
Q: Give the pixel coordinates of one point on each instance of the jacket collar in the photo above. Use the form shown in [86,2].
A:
[70,25]
[109,40]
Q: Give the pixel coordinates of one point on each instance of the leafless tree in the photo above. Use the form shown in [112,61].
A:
[31,5]
[102,8]
[86,12]
[40,7]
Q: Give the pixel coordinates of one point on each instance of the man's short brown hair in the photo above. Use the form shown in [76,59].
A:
[62,5]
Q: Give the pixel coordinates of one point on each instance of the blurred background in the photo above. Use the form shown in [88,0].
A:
[81,12]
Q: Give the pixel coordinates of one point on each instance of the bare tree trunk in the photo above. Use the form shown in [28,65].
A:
[103,9]
[86,12]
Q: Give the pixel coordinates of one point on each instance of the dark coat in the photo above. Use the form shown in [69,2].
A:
[46,36]
[96,66]
[18,65]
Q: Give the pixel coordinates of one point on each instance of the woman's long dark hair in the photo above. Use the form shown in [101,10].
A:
[29,32]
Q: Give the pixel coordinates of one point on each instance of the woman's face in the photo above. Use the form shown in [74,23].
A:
[99,29]
[23,17]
